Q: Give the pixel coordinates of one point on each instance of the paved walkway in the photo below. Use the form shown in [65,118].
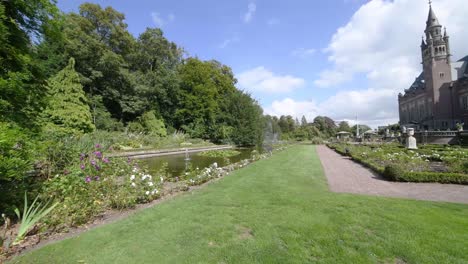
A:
[347,176]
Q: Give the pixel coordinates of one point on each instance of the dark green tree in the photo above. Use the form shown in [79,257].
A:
[344,126]
[21,78]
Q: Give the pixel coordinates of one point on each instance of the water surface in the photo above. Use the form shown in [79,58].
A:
[177,163]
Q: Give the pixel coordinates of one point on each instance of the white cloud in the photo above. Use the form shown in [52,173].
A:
[384,36]
[261,79]
[381,42]
[251,8]
[294,108]
[371,106]
[160,21]
[303,53]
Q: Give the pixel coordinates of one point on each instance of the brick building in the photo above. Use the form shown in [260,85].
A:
[438,98]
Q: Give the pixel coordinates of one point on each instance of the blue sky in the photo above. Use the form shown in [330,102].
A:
[294,56]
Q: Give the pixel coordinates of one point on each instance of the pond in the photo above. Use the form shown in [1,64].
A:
[176,163]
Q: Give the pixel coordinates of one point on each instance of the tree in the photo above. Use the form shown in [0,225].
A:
[247,120]
[67,106]
[326,125]
[362,129]
[344,126]
[153,125]
[21,78]
[303,121]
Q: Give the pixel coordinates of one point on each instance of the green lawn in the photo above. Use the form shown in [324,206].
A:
[277,210]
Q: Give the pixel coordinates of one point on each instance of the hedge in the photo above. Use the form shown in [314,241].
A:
[396,173]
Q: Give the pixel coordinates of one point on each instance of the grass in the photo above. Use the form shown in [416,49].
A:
[277,210]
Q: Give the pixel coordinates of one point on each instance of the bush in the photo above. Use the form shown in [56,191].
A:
[153,125]
[96,184]
[317,141]
[16,161]
[220,153]
[440,177]
[393,172]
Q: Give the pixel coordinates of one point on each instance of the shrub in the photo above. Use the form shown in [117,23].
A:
[97,183]
[317,141]
[393,172]
[16,160]
[153,125]
[440,177]
[220,153]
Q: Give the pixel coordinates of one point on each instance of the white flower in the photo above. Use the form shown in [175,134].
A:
[150,183]
[162,180]
[186,173]
[132,177]
[147,193]
[133,184]
[215,165]
[135,169]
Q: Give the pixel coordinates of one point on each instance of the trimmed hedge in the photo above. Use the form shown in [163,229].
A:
[396,173]
[440,177]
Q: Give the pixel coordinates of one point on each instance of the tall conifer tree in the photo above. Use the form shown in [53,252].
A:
[67,105]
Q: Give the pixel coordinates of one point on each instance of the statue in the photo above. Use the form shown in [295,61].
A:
[410,140]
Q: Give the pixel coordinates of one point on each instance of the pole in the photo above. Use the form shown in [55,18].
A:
[357,127]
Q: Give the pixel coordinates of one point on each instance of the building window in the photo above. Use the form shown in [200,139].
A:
[442,75]
[464,102]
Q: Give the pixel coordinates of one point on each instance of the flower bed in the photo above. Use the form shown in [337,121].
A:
[97,184]
[428,164]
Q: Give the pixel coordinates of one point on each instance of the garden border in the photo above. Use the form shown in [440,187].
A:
[408,176]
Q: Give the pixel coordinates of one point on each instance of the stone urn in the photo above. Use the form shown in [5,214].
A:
[410,132]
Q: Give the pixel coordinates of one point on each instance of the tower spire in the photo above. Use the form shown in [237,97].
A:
[432,18]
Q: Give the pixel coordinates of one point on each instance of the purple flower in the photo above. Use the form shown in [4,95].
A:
[88,179]
[98,154]
[96,178]
[82,166]
[97,146]
[82,156]
[97,167]
[105,160]
[129,160]
[93,162]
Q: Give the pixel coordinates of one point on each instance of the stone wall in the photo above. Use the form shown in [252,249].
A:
[438,137]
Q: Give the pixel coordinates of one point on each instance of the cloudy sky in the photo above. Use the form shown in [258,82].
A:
[339,58]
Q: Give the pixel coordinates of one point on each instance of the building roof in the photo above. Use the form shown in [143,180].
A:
[464,59]
[432,19]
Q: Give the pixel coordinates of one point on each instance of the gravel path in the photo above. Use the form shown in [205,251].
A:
[347,176]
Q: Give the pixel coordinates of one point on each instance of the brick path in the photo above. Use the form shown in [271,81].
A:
[347,176]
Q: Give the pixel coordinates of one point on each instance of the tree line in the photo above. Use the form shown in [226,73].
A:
[78,72]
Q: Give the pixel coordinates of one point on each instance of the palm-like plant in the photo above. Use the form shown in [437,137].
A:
[31,215]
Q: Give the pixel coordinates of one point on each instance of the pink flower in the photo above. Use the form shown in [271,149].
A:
[98,154]
[88,179]
[96,178]
[82,166]
[97,146]
[105,160]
